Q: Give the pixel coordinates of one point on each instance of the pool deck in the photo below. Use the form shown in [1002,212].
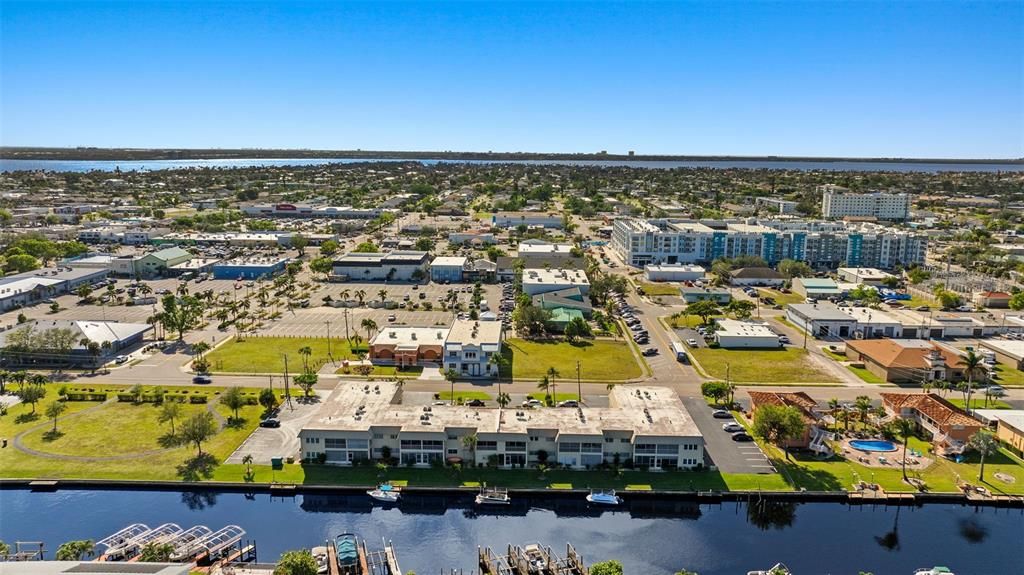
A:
[885,459]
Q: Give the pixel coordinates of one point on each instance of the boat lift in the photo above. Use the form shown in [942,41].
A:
[182,541]
[134,545]
[113,543]
[224,538]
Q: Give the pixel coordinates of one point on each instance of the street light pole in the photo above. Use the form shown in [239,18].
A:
[579,386]
[329,354]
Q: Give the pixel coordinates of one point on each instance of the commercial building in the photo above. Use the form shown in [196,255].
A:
[777,206]
[874,323]
[838,203]
[1008,351]
[529,219]
[157,264]
[865,276]
[994,299]
[470,345]
[949,426]
[816,288]
[448,269]
[506,265]
[1009,424]
[311,211]
[906,360]
[393,266]
[30,288]
[562,316]
[821,320]
[541,280]
[569,298]
[673,272]
[542,248]
[407,346]
[766,277]
[113,337]
[249,268]
[474,238]
[822,245]
[646,426]
[194,265]
[733,334]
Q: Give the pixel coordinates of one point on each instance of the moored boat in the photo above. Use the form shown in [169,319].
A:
[937,570]
[603,497]
[385,493]
[778,569]
[493,496]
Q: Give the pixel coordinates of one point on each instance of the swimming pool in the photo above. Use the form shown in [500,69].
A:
[873,445]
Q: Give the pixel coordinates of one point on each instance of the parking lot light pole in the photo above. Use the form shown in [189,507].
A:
[329,354]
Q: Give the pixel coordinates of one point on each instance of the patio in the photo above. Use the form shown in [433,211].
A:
[888,459]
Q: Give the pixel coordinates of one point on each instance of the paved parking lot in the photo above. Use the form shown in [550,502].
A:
[728,455]
[283,441]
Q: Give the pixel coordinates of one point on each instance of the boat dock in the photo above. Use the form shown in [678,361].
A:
[532,559]
[383,561]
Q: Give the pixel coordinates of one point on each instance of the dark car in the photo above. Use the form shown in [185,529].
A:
[650,351]
[721,414]
[475,403]
[742,436]
[270,423]
[202,379]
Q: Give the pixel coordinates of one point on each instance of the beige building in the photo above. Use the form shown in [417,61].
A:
[648,426]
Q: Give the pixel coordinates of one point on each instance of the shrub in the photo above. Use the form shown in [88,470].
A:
[198,399]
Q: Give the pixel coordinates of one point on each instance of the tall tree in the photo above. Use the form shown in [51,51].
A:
[55,410]
[170,411]
[233,399]
[778,425]
[985,444]
[905,430]
[181,313]
[198,428]
[973,365]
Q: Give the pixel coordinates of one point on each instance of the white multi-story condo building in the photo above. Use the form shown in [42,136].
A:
[838,203]
[820,244]
[646,426]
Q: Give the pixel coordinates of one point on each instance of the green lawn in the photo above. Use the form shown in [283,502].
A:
[865,375]
[559,396]
[386,371]
[510,478]
[114,429]
[786,365]
[690,321]
[779,297]
[834,355]
[1008,376]
[463,395]
[264,354]
[658,288]
[917,301]
[600,359]
[979,403]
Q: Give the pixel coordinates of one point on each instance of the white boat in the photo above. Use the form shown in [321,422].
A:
[385,493]
[778,569]
[604,497]
[937,570]
[493,496]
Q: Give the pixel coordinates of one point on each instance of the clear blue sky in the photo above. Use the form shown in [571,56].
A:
[911,79]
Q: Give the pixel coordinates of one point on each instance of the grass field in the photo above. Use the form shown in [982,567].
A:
[1008,376]
[786,365]
[264,354]
[463,395]
[559,396]
[779,297]
[658,288]
[600,359]
[979,403]
[834,355]
[865,375]
[113,429]
[690,321]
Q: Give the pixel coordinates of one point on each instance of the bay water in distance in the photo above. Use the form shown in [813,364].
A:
[838,166]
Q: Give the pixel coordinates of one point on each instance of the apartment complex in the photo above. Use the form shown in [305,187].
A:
[838,203]
[820,244]
[648,426]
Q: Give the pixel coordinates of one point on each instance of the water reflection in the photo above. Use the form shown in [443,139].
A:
[972,531]
[198,500]
[768,514]
[891,540]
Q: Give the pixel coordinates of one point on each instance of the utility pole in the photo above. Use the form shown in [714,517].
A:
[806,328]
[287,392]
[579,386]
[347,338]
[329,354]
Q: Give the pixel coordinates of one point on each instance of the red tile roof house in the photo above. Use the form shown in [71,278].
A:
[992,299]
[949,425]
[803,403]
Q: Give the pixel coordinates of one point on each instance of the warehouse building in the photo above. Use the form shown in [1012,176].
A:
[448,269]
[733,334]
[648,427]
[114,338]
[821,319]
[32,287]
[673,272]
[541,280]
[761,277]
[249,268]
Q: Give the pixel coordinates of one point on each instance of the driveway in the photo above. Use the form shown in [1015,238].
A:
[728,455]
[283,441]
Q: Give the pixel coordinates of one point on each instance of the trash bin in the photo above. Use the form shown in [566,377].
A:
[277,462]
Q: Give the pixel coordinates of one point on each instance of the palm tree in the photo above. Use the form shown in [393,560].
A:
[345,294]
[370,326]
[451,375]
[984,443]
[356,341]
[863,405]
[504,399]
[972,365]
[833,409]
[383,295]
[904,429]
[552,374]
[360,295]
[545,385]
[305,352]
[4,376]
[469,442]
[247,462]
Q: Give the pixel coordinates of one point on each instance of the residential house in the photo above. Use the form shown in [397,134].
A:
[949,426]
[906,360]
[470,346]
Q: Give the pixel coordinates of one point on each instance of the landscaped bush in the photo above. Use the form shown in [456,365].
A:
[70,396]
[198,399]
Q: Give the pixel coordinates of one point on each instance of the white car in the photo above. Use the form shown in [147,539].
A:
[532,403]
[691,342]
[732,427]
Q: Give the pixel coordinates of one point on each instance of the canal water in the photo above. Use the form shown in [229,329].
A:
[650,537]
[7,165]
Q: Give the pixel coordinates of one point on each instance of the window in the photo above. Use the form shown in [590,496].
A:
[358,444]
[534,438]
[487,445]
[378,436]
[515,446]
[332,443]
[453,452]
[609,440]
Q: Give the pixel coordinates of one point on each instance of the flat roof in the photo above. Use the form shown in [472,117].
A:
[735,328]
[645,411]
[253,262]
[451,261]
[92,568]
[1013,348]
[410,336]
[555,276]
[1012,417]
[820,311]
[485,334]
[817,283]
[674,268]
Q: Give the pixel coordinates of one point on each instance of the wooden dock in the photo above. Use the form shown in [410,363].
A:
[526,559]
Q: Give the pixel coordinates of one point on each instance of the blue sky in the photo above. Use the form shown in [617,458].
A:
[907,79]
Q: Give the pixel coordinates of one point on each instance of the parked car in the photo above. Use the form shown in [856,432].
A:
[721,414]
[651,351]
[121,359]
[270,423]
[691,342]
[475,403]
[742,436]
[569,403]
[202,379]
[391,317]
[732,427]
[532,403]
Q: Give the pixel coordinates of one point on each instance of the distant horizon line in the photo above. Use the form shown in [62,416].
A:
[95,153]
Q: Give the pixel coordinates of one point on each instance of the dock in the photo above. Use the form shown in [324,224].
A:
[529,560]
